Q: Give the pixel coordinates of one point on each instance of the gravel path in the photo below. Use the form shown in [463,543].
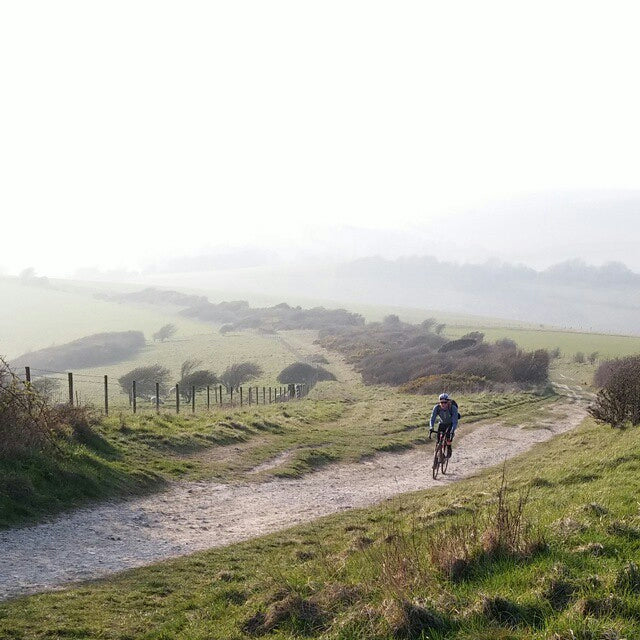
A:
[94,542]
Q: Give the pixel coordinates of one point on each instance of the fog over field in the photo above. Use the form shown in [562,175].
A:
[428,156]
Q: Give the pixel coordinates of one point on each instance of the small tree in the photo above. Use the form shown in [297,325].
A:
[579,358]
[165,332]
[619,400]
[239,373]
[592,357]
[192,377]
[146,378]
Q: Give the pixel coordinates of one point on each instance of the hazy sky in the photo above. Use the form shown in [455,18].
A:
[135,130]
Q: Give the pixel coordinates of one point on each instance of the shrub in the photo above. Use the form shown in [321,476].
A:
[619,399]
[145,379]
[301,372]
[579,357]
[608,367]
[26,418]
[165,332]
[91,351]
[451,382]
[192,378]
[239,373]
[457,345]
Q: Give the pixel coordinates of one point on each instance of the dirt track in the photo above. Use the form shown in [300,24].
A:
[192,516]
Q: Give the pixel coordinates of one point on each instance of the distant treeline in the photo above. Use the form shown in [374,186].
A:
[238,314]
[90,351]
[396,353]
[154,296]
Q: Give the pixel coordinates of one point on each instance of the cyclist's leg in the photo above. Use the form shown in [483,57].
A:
[448,442]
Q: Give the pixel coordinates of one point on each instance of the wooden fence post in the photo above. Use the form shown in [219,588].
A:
[106,396]
[133,395]
[208,398]
[240,396]
[250,396]
[157,397]
[71,388]
[27,375]
[193,399]
[269,395]
[231,396]
[264,395]
[177,398]
[220,393]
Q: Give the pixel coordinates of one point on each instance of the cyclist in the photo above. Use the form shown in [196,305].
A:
[447,413]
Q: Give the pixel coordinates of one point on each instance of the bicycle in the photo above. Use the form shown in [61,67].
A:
[440,457]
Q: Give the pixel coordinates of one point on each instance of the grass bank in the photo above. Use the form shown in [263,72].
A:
[440,564]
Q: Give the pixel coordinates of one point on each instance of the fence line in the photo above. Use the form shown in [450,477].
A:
[74,392]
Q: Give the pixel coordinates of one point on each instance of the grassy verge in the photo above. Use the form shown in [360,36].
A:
[127,454]
[440,564]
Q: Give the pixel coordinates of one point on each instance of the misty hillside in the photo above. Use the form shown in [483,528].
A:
[570,294]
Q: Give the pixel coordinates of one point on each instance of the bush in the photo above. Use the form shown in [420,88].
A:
[452,382]
[300,372]
[91,351]
[145,379]
[239,373]
[165,332]
[191,378]
[27,421]
[618,401]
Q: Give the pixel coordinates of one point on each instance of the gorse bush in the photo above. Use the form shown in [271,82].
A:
[27,421]
[618,402]
[400,354]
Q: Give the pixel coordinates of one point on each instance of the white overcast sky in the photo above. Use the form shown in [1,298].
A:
[135,130]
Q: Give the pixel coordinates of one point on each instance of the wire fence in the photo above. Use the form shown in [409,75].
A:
[106,395]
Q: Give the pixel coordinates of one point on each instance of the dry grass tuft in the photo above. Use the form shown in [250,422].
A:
[558,588]
[600,607]
[409,619]
[302,615]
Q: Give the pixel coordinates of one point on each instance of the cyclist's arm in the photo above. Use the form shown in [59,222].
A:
[454,419]
[434,414]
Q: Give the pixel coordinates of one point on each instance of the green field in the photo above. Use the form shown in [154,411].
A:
[34,317]
[374,573]
[569,342]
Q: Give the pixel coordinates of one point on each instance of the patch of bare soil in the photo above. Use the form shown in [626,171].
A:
[94,542]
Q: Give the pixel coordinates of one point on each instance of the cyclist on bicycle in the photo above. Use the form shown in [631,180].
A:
[447,413]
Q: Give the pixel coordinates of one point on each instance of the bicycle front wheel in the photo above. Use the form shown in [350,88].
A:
[437,462]
[445,462]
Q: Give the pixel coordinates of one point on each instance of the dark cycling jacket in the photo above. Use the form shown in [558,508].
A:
[450,419]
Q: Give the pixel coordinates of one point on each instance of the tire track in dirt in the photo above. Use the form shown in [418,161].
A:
[189,517]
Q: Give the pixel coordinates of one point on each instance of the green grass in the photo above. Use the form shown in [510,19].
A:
[569,342]
[369,574]
[130,454]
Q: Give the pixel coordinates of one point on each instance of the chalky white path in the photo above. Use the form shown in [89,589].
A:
[94,542]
